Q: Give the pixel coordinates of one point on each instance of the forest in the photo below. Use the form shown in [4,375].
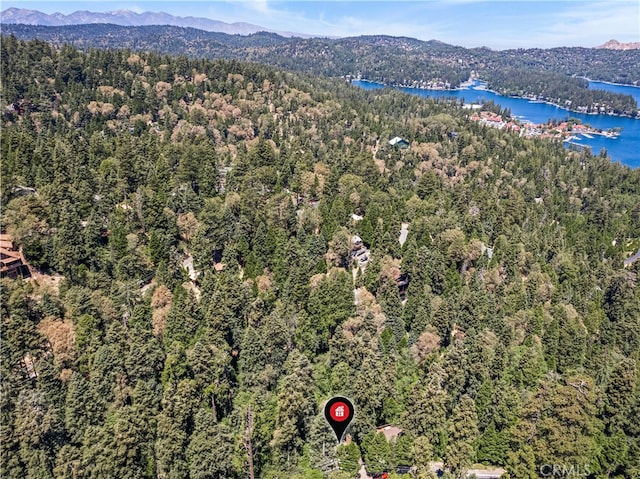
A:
[195,298]
[572,93]
[393,61]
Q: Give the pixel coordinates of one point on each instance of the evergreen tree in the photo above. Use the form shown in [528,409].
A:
[462,433]
[377,452]
[427,414]
[174,428]
[211,450]
[183,319]
[389,300]
[295,407]
[348,458]
[83,407]
[522,463]
[619,395]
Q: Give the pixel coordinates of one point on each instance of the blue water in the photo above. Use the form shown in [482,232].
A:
[625,148]
[634,91]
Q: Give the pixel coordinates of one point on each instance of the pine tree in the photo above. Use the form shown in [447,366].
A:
[330,303]
[573,338]
[276,338]
[210,361]
[252,358]
[389,300]
[322,443]
[174,424]
[620,394]
[348,457]
[35,427]
[492,446]
[295,406]
[83,407]
[183,319]
[402,450]
[423,455]
[68,461]
[377,452]
[305,336]
[558,410]
[462,433]
[211,450]
[522,463]
[371,387]
[426,415]
[130,445]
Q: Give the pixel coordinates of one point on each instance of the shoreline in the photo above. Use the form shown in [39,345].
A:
[565,131]
[482,81]
[576,111]
[510,96]
[637,117]
[610,82]
[385,85]
[620,145]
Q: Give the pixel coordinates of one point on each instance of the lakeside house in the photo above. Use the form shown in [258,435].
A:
[565,130]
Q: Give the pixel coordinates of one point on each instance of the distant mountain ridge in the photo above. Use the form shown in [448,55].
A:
[616,45]
[130,18]
[394,61]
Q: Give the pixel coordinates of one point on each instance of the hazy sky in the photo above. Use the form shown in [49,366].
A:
[470,23]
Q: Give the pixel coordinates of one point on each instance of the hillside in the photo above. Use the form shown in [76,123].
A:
[390,60]
[201,214]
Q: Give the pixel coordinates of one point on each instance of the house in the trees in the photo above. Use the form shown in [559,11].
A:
[222,177]
[356,243]
[402,281]
[359,252]
[390,431]
[29,365]
[218,265]
[391,434]
[24,191]
[12,264]
[399,143]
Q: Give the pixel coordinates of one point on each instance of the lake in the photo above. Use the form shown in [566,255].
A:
[625,148]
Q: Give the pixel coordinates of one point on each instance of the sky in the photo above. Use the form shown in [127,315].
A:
[470,23]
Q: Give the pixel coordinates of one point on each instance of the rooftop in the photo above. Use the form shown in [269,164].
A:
[390,431]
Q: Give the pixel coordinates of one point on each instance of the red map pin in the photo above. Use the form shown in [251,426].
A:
[339,412]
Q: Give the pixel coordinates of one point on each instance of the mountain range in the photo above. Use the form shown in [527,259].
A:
[130,18]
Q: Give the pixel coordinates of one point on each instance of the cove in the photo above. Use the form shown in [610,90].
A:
[625,148]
